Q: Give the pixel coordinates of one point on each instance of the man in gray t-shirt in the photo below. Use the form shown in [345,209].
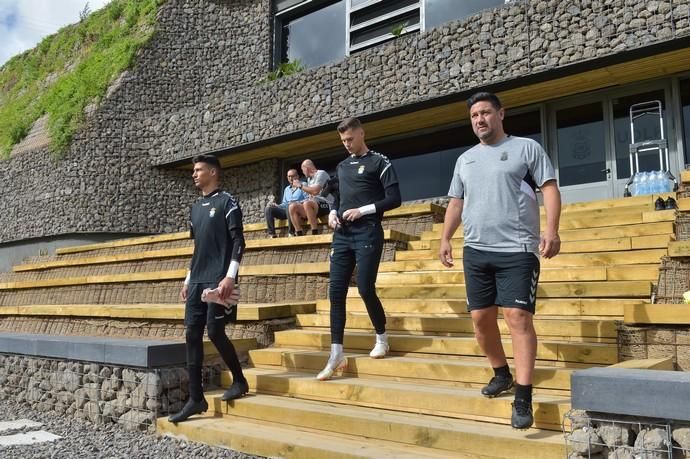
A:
[493,194]
[315,205]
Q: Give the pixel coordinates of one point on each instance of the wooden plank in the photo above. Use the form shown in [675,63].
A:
[679,249]
[657,241]
[647,364]
[175,274]
[648,272]
[124,242]
[671,314]
[106,259]
[685,176]
[683,204]
[276,270]
[659,216]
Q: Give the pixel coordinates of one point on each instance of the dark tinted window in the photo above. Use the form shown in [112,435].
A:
[685,101]
[316,37]
[438,12]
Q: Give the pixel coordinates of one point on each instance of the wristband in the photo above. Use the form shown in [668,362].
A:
[233,269]
[368,209]
[187,277]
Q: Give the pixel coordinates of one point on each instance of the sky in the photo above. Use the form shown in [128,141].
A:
[23,23]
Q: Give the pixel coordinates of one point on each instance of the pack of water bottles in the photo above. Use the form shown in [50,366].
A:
[653,182]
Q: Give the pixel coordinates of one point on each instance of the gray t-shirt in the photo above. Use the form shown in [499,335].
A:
[500,209]
[321,178]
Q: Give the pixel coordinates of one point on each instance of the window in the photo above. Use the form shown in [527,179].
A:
[646,128]
[321,31]
[376,21]
[581,144]
[312,32]
[437,12]
[685,103]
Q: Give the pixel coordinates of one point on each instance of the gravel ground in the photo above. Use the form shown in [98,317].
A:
[81,439]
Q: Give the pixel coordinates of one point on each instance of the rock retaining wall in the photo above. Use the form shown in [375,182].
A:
[132,397]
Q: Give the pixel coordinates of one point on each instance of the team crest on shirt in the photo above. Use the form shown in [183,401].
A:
[212,212]
[361,169]
[504,156]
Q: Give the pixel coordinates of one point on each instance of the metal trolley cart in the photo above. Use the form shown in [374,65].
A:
[638,111]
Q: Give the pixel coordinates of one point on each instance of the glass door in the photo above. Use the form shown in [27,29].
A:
[579,151]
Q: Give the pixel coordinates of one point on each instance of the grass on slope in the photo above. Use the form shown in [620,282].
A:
[69,70]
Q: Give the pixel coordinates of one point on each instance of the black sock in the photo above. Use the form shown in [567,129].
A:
[503,372]
[196,391]
[523,392]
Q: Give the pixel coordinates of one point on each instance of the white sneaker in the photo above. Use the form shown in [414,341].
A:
[381,348]
[339,362]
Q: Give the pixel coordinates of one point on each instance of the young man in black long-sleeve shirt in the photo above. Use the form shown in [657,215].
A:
[368,186]
[216,227]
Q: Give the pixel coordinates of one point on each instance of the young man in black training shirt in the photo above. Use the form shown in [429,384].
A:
[216,227]
[368,187]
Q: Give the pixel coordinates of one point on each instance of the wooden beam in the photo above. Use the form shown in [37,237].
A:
[670,314]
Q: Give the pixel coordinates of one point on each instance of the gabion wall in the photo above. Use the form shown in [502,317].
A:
[131,397]
[197,88]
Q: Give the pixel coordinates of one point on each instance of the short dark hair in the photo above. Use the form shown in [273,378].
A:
[349,123]
[484,97]
[207,159]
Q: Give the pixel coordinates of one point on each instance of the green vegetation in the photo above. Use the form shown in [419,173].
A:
[399,29]
[71,69]
[285,69]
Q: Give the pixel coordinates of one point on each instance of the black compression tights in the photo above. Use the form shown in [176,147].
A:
[195,355]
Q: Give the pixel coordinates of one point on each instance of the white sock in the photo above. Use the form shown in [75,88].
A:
[382,338]
[336,351]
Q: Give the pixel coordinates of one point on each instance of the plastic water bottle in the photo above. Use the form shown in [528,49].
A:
[668,183]
[635,187]
[644,183]
[657,182]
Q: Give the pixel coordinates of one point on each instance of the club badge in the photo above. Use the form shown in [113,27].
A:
[361,169]
[212,212]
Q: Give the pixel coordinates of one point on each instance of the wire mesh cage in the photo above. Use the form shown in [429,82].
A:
[599,435]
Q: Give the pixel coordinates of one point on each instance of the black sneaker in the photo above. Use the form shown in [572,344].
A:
[670,203]
[314,232]
[659,204]
[522,415]
[497,386]
[237,390]
[189,409]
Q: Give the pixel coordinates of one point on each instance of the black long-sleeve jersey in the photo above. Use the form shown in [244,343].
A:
[216,227]
[367,179]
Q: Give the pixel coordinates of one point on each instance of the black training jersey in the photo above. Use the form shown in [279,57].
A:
[363,180]
[216,227]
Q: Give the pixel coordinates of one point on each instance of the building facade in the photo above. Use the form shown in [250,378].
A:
[567,71]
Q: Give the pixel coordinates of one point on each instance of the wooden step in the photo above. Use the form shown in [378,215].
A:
[399,396]
[591,329]
[605,289]
[648,256]
[245,312]
[583,234]
[458,436]
[547,350]
[670,314]
[575,307]
[444,275]
[276,439]
[454,372]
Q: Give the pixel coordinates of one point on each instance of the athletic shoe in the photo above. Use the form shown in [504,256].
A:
[381,348]
[333,365]
[189,409]
[659,204]
[497,386]
[522,415]
[236,390]
[314,232]
[670,204]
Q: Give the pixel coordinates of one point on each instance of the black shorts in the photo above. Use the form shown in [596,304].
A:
[324,209]
[500,278]
[197,312]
